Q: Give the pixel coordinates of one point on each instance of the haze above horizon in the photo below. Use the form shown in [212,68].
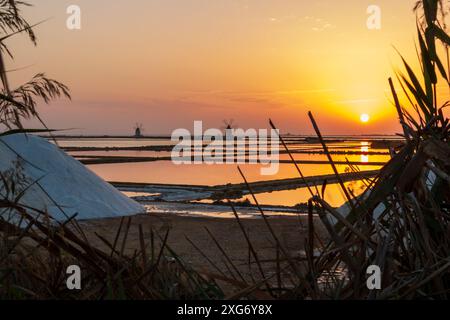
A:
[167,63]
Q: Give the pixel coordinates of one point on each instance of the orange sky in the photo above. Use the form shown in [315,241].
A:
[166,63]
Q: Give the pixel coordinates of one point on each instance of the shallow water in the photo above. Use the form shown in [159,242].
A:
[219,174]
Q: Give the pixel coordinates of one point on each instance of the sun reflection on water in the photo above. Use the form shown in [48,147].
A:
[364,152]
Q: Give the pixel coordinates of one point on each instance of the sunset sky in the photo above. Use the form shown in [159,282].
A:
[166,63]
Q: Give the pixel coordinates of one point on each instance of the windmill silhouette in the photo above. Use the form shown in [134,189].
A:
[138,129]
[228,125]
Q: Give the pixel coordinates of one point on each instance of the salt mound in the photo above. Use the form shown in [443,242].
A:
[58,183]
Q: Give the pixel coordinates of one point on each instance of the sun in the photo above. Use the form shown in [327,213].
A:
[364,118]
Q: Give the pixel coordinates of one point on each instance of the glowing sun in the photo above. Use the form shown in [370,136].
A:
[364,118]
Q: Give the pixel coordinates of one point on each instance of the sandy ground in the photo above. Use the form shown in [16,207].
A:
[291,232]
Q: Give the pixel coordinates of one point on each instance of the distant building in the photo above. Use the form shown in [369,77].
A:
[138,131]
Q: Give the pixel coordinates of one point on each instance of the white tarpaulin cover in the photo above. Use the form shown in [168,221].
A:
[59,184]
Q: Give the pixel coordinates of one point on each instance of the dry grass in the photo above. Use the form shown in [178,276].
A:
[34,258]
[401,223]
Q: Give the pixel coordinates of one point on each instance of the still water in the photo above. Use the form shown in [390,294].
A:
[167,172]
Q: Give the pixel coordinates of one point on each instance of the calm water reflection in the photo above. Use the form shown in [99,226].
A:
[203,174]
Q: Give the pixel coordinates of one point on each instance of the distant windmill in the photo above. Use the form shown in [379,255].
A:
[138,130]
[229,125]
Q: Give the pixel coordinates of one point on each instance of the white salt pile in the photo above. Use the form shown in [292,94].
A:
[58,183]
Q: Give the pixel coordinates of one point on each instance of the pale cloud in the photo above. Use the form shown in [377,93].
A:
[318,24]
[356,101]
[313,23]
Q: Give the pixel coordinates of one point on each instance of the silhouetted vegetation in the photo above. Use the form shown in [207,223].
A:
[401,223]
